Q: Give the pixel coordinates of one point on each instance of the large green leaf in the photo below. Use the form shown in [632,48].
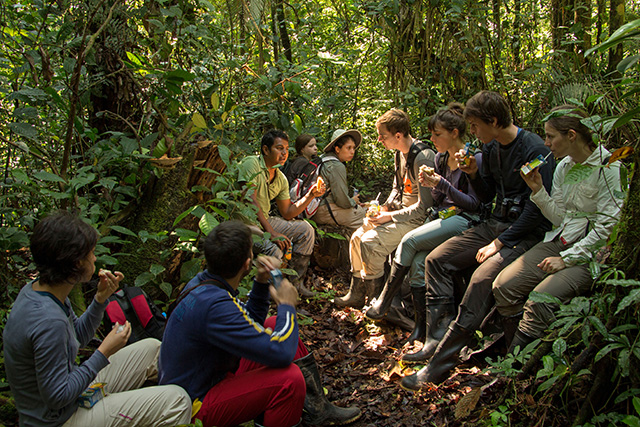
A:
[25,130]
[47,176]
[578,173]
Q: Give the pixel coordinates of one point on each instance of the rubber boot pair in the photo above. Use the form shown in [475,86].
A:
[439,314]
[359,291]
[444,359]
[300,263]
[382,304]
[317,408]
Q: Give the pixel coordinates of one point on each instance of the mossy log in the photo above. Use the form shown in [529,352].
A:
[165,198]
[329,252]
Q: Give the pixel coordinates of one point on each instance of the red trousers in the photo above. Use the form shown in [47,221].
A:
[254,389]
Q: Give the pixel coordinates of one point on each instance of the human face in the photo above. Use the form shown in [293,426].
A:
[485,132]
[347,151]
[443,139]
[387,138]
[89,266]
[559,143]
[311,149]
[277,154]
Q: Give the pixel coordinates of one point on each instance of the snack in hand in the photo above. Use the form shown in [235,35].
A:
[103,272]
[374,209]
[427,170]
[319,183]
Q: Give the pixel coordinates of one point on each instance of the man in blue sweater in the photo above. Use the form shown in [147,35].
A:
[224,353]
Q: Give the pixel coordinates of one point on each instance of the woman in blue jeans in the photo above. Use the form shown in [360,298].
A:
[454,210]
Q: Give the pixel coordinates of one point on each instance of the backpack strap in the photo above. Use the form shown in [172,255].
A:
[416,148]
[183,295]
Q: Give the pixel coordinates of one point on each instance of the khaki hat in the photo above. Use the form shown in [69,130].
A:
[356,135]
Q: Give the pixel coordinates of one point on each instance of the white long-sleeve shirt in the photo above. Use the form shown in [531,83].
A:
[583,212]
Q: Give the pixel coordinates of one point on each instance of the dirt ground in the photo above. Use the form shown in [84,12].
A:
[361,366]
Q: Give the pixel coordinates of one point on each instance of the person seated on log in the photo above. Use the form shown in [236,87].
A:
[224,352]
[287,233]
[381,232]
[307,150]
[516,225]
[583,213]
[455,209]
[338,208]
[43,335]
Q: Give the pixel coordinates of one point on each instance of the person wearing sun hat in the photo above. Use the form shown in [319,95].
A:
[405,209]
[338,207]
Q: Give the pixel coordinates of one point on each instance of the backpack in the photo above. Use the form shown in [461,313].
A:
[133,304]
[416,148]
[303,182]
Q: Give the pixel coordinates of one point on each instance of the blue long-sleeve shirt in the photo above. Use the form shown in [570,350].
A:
[41,342]
[210,330]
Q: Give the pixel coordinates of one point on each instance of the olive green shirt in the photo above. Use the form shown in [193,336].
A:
[253,169]
[334,173]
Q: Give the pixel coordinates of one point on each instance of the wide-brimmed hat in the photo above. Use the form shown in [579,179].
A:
[356,135]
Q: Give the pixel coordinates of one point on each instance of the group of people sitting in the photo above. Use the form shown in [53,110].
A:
[470,229]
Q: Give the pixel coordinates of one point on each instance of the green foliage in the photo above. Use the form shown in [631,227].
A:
[91,91]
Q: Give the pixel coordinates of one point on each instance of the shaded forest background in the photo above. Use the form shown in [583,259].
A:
[135,112]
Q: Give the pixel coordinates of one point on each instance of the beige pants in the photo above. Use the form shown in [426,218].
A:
[370,246]
[350,218]
[128,405]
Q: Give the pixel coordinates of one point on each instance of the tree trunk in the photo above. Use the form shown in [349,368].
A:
[284,34]
[626,252]
[559,22]
[616,19]
[582,33]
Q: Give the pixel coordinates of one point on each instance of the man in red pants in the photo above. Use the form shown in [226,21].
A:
[224,353]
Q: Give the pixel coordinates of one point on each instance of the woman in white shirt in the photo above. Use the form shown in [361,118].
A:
[583,207]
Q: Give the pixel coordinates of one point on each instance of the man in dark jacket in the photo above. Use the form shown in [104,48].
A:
[515,226]
[224,353]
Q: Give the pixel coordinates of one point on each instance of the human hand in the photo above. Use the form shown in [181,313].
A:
[285,294]
[356,198]
[265,265]
[108,283]
[533,179]
[281,240]
[429,180]
[115,340]
[552,264]
[319,189]
[466,164]
[486,252]
[381,218]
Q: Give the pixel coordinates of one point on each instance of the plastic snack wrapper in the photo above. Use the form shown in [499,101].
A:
[92,395]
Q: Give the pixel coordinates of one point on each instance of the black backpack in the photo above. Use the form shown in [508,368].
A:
[132,303]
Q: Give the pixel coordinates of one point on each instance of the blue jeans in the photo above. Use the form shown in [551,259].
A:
[419,242]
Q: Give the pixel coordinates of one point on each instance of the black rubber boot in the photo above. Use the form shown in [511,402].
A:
[373,287]
[444,359]
[356,295]
[440,313]
[317,408]
[510,326]
[381,306]
[300,263]
[419,313]
[520,339]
